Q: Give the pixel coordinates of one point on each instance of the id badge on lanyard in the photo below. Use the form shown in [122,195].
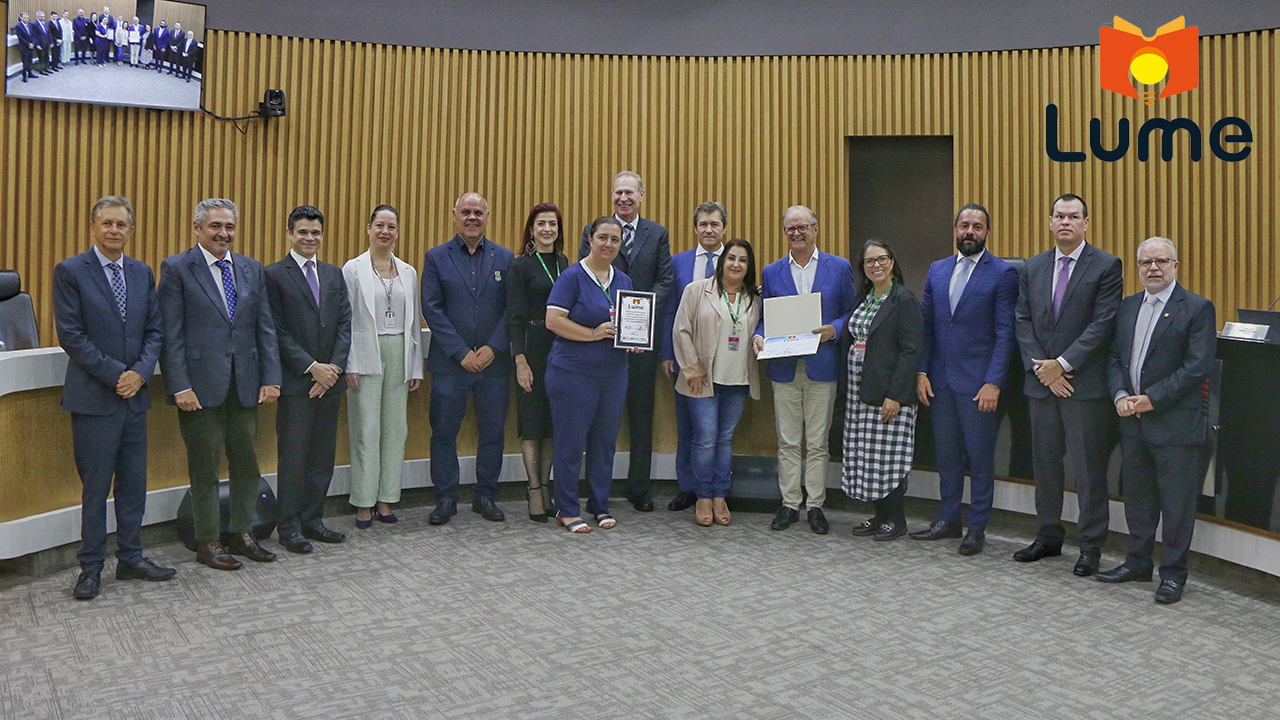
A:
[860,348]
[733,342]
[389,319]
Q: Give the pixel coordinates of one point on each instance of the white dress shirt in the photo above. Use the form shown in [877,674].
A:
[803,275]
[107,261]
[216,272]
[700,261]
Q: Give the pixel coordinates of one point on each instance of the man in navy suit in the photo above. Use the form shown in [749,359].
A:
[55,42]
[160,38]
[82,32]
[108,322]
[1065,320]
[968,309]
[645,257]
[221,360]
[313,326]
[709,220]
[464,301]
[26,34]
[1166,339]
[804,389]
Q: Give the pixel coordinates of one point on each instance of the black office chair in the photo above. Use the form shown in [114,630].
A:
[17,314]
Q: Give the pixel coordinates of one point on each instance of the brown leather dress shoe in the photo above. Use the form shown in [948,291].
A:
[213,555]
[247,545]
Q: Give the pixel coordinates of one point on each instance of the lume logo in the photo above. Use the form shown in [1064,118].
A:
[1173,52]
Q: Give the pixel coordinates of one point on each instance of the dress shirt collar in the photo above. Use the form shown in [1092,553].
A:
[106,260]
[1163,296]
[209,259]
[635,224]
[976,258]
[791,259]
[302,262]
[462,244]
[713,253]
[1075,254]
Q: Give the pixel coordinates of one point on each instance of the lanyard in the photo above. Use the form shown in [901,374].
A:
[602,288]
[544,267]
[391,311]
[734,316]
[874,305]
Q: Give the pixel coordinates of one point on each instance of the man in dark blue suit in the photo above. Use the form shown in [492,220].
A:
[968,307]
[44,40]
[26,34]
[1166,339]
[82,33]
[645,257]
[464,301]
[804,389]
[709,220]
[108,322]
[313,326]
[160,38]
[221,360]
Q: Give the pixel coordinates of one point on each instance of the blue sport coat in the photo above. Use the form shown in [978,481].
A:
[834,279]
[682,266]
[974,346]
[100,346]
[461,321]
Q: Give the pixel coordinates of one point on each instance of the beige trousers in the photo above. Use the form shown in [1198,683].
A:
[802,409]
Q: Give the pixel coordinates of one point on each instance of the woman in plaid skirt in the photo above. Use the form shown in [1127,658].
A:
[883,346]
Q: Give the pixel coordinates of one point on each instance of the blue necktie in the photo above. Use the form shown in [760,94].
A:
[711,264]
[117,288]
[628,240]
[228,287]
[957,288]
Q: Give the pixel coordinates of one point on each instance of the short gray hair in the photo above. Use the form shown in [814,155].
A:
[204,206]
[1158,239]
[708,207]
[812,214]
[111,201]
[629,174]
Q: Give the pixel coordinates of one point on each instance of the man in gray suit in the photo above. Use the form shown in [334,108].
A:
[221,360]
[108,321]
[1065,319]
[1166,339]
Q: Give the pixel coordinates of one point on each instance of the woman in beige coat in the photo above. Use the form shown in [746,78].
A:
[713,348]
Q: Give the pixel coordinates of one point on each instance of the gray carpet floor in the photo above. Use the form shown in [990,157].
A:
[657,618]
[110,85]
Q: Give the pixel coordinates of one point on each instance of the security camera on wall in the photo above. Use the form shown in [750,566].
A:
[144,53]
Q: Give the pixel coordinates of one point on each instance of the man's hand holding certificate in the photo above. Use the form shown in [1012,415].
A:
[793,326]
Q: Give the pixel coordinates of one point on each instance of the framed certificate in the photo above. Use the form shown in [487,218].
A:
[635,320]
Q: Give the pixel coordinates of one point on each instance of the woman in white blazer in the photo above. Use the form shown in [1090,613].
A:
[384,366]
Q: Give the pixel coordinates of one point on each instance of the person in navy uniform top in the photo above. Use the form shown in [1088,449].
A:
[709,222]
[26,35]
[108,321]
[1065,320]
[221,361]
[313,327]
[968,306]
[587,376]
[1166,340]
[464,301]
[645,257]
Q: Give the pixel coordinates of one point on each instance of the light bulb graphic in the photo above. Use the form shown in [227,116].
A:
[1149,67]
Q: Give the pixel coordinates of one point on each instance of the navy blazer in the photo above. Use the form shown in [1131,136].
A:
[1179,359]
[834,279]
[81,29]
[100,346]
[306,333]
[26,35]
[973,346]
[202,344]
[1083,331]
[650,270]
[459,320]
[682,274]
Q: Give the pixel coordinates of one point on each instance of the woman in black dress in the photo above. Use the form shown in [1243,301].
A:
[531,276]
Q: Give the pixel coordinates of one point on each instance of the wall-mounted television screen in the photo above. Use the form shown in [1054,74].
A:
[147,53]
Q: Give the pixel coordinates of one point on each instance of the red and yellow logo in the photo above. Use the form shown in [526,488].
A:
[1173,52]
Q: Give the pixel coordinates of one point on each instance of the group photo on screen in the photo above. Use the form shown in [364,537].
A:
[148,53]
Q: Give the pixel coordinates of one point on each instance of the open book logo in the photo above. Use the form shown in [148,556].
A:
[1173,53]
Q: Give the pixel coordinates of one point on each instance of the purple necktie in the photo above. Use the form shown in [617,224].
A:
[313,282]
[1060,289]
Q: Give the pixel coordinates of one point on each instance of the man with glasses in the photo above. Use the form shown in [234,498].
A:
[1164,349]
[804,388]
[1067,300]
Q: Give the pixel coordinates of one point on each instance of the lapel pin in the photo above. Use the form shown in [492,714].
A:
[497,276]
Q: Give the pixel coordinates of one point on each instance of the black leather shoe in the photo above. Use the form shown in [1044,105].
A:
[784,518]
[1088,563]
[972,543]
[445,509]
[295,543]
[246,544]
[1123,573]
[1169,592]
[488,509]
[818,521]
[890,530]
[866,528]
[939,530]
[682,501]
[643,503]
[88,584]
[144,569]
[1037,550]
[320,533]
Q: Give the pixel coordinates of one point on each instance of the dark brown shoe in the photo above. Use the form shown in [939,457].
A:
[247,545]
[213,555]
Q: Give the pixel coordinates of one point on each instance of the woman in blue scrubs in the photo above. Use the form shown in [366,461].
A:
[586,376]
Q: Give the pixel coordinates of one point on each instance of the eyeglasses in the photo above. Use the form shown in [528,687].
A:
[882,261]
[1162,262]
[794,229]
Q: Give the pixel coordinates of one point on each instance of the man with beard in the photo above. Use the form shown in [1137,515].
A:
[968,307]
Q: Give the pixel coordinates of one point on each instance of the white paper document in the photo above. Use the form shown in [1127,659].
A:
[789,346]
[789,322]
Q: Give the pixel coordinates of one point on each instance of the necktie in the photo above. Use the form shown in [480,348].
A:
[627,240]
[957,288]
[117,288]
[228,287]
[1141,336]
[711,263]
[313,281]
[1060,290]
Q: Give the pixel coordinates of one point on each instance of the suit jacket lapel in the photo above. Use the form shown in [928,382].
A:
[819,272]
[460,262]
[978,271]
[370,285]
[239,272]
[99,276]
[1167,316]
[195,258]
[136,294]
[300,280]
[1077,273]
[788,282]
[486,266]
[883,311]
[1126,319]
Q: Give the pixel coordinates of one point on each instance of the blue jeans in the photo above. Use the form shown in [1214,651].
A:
[714,420]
